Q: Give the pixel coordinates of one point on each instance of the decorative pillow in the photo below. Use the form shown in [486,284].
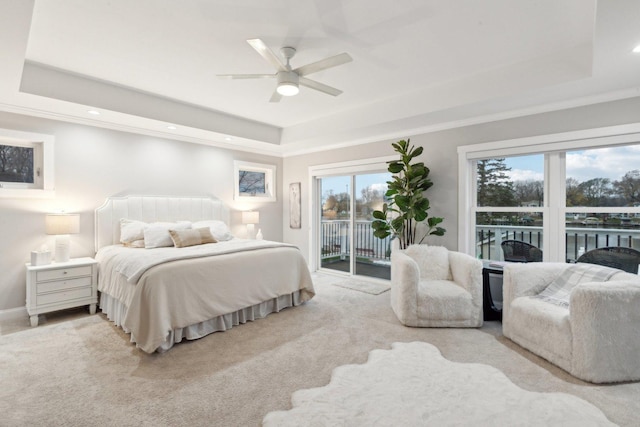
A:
[192,237]
[131,230]
[157,235]
[135,244]
[432,260]
[219,229]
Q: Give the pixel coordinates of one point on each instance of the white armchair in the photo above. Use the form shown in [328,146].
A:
[595,338]
[434,287]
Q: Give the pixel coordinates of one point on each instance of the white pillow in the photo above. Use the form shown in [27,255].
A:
[131,230]
[432,260]
[219,230]
[157,235]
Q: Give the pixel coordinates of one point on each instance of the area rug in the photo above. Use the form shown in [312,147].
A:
[413,385]
[373,288]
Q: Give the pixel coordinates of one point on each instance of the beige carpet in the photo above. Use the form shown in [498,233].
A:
[77,369]
[373,288]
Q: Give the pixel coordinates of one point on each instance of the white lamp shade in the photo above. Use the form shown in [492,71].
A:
[250,217]
[62,224]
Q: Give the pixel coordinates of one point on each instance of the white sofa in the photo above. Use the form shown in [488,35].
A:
[596,338]
[434,287]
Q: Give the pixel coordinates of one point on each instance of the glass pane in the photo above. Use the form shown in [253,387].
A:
[522,232]
[372,254]
[251,183]
[335,221]
[16,164]
[604,177]
[511,181]
[585,232]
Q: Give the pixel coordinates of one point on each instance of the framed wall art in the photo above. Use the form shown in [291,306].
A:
[295,220]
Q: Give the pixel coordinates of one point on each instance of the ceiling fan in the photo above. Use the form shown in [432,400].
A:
[289,79]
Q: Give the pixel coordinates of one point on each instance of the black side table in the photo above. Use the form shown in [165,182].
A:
[492,306]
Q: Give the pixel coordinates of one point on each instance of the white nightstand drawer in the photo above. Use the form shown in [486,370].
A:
[62,273]
[64,296]
[58,285]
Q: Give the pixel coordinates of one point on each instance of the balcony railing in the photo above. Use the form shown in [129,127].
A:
[489,238]
[335,240]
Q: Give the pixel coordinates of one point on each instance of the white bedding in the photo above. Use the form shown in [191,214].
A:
[166,289]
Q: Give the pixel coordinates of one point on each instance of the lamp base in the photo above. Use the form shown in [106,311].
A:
[63,247]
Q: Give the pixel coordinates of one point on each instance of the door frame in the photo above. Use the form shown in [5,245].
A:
[349,168]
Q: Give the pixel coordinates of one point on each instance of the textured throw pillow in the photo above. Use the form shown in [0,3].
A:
[219,230]
[131,230]
[195,236]
[157,235]
[432,260]
[135,244]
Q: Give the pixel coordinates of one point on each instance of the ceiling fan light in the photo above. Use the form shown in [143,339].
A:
[288,89]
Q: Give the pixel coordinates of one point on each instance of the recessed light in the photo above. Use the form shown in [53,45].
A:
[228,138]
[94,112]
[636,49]
[172,127]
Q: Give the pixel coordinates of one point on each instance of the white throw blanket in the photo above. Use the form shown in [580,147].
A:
[559,291]
[134,262]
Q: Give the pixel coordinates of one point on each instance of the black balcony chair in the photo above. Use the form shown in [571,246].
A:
[519,251]
[625,259]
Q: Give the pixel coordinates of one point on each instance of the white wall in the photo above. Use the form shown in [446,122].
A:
[92,164]
[440,155]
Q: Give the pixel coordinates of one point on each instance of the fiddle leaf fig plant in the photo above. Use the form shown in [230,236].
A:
[407,206]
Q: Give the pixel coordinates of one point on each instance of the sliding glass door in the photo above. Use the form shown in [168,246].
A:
[346,241]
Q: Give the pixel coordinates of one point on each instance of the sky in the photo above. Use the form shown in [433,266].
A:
[611,162]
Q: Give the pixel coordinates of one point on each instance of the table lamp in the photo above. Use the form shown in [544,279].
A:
[250,218]
[61,225]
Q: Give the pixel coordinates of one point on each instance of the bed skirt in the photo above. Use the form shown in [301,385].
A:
[115,312]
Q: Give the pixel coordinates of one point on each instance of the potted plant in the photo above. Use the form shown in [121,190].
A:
[407,206]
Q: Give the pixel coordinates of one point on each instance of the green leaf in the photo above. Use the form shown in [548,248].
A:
[439,231]
[379,215]
[395,167]
[381,234]
[416,152]
[402,202]
[433,221]
[420,215]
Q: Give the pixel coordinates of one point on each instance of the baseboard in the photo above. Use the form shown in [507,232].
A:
[13,314]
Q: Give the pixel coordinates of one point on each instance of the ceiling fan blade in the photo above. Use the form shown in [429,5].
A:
[267,53]
[333,61]
[276,97]
[319,86]
[245,76]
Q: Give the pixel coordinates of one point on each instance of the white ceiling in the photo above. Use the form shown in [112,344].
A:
[417,65]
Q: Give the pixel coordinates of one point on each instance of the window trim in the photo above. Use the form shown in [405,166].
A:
[43,145]
[351,167]
[553,146]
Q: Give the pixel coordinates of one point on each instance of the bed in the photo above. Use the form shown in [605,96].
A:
[162,295]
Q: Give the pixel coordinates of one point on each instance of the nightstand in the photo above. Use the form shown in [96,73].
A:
[61,285]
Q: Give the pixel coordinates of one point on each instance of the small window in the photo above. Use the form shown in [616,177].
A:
[26,164]
[17,166]
[254,182]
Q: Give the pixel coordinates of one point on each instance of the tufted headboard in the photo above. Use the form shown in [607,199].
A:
[150,209]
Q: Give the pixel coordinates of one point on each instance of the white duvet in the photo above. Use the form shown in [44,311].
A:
[169,288]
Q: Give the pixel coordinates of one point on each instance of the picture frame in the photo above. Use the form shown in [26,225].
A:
[254,182]
[295,206]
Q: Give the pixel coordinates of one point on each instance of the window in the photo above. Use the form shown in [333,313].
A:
[564,194]
[26,164]
[509,203]
[254,182]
